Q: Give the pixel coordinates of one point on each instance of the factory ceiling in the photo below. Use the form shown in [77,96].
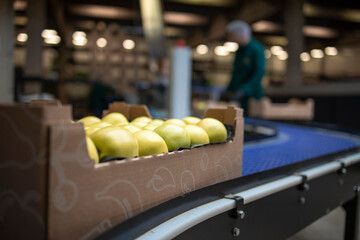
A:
[196,21]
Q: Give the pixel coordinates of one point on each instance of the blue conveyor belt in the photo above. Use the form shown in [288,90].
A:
[293,144]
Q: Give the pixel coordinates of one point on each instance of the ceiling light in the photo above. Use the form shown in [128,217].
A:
[267,53]
[182,18]
[20,5]
[331,51]
[305,57]
[101,42]
[320,32]
[79,41]
[276,50]
[317,53]
[79,34]
[53,39]
[214,3]
[22,37]
[48,33]
[100,11]
[266,26]
[283,55]
[128,44]
[231,46]
[20,20]
[221,51]
[202,49]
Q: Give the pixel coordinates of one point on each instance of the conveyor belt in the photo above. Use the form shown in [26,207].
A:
[293,144]
[273,167]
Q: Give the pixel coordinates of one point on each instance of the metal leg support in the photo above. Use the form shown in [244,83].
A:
[352,225]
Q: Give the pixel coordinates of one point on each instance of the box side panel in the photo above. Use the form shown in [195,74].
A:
[87,199]
[22,173]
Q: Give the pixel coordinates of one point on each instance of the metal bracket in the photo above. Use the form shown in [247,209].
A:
[304,186]
[342,169]
[239,212]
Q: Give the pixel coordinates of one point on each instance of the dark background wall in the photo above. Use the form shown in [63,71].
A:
[343,111]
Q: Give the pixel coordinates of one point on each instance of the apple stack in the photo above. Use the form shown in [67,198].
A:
[115,136]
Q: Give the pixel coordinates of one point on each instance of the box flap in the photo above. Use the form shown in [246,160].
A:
[130,111]
[226,115]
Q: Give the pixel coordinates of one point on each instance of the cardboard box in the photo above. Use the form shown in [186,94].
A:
[293,110]
[199,107]
[50,188]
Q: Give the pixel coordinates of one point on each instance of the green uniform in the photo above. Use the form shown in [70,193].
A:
[248,70]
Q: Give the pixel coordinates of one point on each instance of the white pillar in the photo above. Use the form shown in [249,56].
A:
[180,82]
[6,51]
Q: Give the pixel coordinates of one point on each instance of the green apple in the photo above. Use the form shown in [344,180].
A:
[139,124]
[131,128]
[89,120]
[142,119]
[149,127]
[115,118]
[115,141]
[197,134]
[92,151]
[191,120]
[90,129]
[175,121]
[175,136]
[150,143]
[214,128]
[156,122]
[153,124]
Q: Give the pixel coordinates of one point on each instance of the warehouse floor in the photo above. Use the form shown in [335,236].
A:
[329,227]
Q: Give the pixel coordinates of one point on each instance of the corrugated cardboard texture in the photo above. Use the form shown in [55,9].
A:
[23,169]
[87,199]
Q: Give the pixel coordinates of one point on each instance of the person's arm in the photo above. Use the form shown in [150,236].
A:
[251,86]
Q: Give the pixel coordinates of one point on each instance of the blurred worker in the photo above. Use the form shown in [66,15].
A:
[249,65]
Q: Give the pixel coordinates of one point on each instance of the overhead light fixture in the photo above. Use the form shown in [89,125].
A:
[202,49]
[53,39]
[266,26]
[213,3]
[101,11]
[331,51]
[276,50]
[317,53]
[22,37]
[20,5]
[79,38]
[221,51]
[283,55]
[305,57]
[267,53]
[128,44]
[101,42]
[182,18]
[79,41]
[79,34]
[20,20]
[48,33]
[231,46]
[320,32]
